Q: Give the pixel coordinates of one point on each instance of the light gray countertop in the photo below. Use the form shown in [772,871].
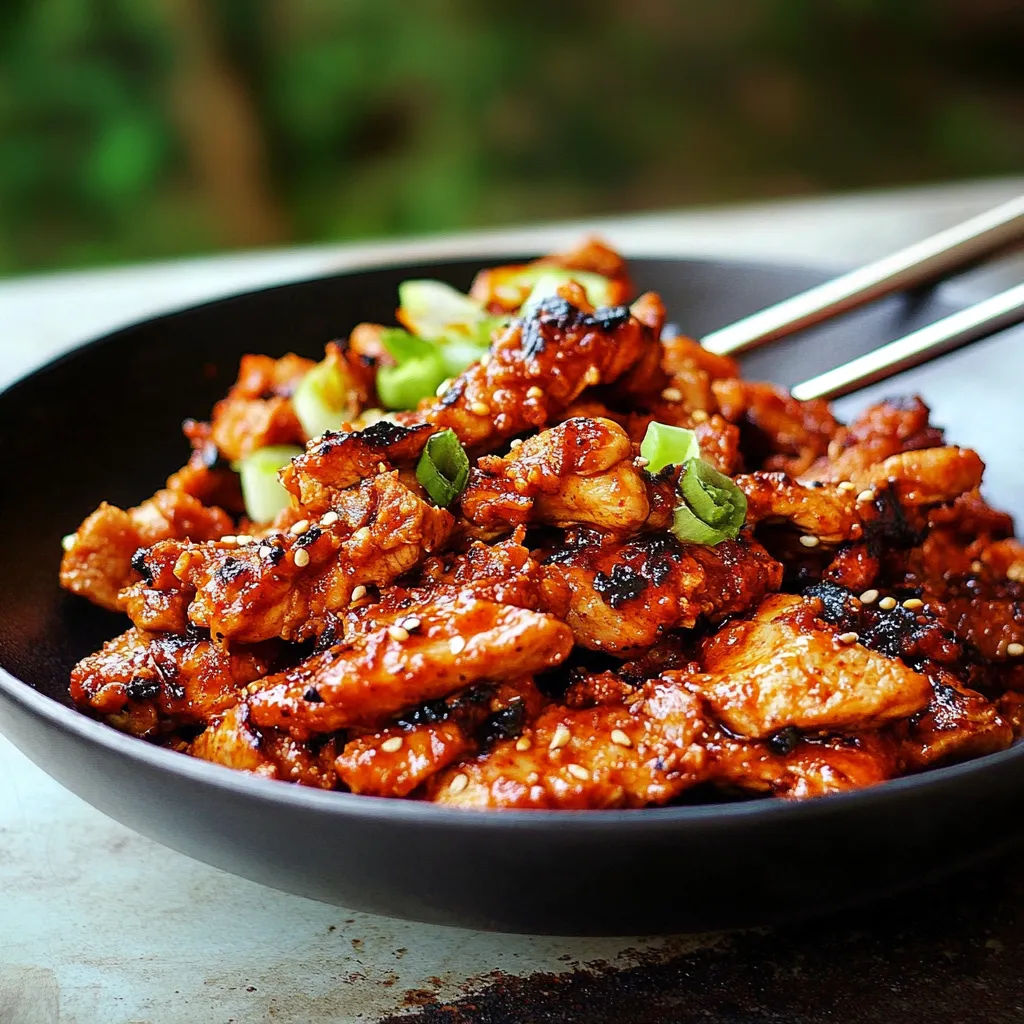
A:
[100,925]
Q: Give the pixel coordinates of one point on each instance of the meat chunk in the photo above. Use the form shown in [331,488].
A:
[785,668]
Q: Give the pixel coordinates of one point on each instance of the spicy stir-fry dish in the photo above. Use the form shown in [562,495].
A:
[535,549]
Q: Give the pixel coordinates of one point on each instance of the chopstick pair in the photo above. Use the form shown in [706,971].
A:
[923,262]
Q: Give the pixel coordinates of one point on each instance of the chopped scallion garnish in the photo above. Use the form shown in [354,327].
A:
[443,469]
[417,372]
[263,492]
[665,445]
[713,509]
[545,281]
[435,311]
[322,401]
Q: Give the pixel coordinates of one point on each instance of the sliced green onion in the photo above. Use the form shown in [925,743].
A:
[263,492]
[402,345]
[713,509]
[322,399]
[443,469]
[545,281]
[433,309]
[403,385]
[664,445]
[457,355]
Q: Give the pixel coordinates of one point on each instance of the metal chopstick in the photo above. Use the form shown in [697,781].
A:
[971,324]
[924,261]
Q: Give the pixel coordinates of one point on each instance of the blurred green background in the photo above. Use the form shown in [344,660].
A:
[134,129]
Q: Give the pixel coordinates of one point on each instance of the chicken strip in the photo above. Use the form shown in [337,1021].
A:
[579,472]
[625,595]
[787,668]
[454,643]
[144,683]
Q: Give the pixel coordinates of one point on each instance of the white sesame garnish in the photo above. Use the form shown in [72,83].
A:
[458,784]
[592,376]
[1015,573]
[67,542]
[523,743]
[866,495]
[620,738]
[977,566]
[846,485]
[869,597]
[887,604]
[301,558]
[329,518]
[912,604]
[391,744]
[534,392]
[1015,650]
[810,541]
[382,467]
[457,644]
[577,771]
[358,593]
[398,633]
[412,623]
[641,463]
[848,638]
[362,535]
[699,416]
[244,538]
[560,737]
[265,551]
[480,408]
[443,387]
[672,395]
[299,528]
[229,538]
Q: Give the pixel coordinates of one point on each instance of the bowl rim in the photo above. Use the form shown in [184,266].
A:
[272,792]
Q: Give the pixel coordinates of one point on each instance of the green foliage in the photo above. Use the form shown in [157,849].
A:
[133,130]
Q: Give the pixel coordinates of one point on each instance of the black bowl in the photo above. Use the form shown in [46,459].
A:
[103,423]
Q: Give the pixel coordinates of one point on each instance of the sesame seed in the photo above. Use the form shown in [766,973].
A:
[458,784]
[329,518]
[1015,573]
[699,416]
[641,463]
[869,597]
[359,593]
[977,566]
[887,604]
[515,443]
[560,738]
[848,638]
[398,633]
[265,551]
[382,467]
[457,644]
[67,542]
[535,392]
[443,387]
[810,541]
[229,539]
[846,485]
[620,738]
[485,358]
[672,395]
[412,623]
[362,535]
[532,779]
[912,604]
[299,528]
[593,376]
[1015,650]
[577,771]
[480,409]
[523,743]
[243,538]
[391,744]
[866,495]
[301,558]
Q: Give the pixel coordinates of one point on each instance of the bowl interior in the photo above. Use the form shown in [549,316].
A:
[103,423]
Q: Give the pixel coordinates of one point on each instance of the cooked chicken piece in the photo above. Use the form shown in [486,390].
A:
[580,471]
[778,431]
[796,768]
[145,683]
[158,601]
[257,410]
[206,476]
[608,756]
[625,595]
[236,743]
[925,477]
[957,724]
[338,459]
[682,355]
[97,560]
[891,427]
[500,290]
[398,759]
[285,585]
[825,512]
[786,667]
[444,645]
